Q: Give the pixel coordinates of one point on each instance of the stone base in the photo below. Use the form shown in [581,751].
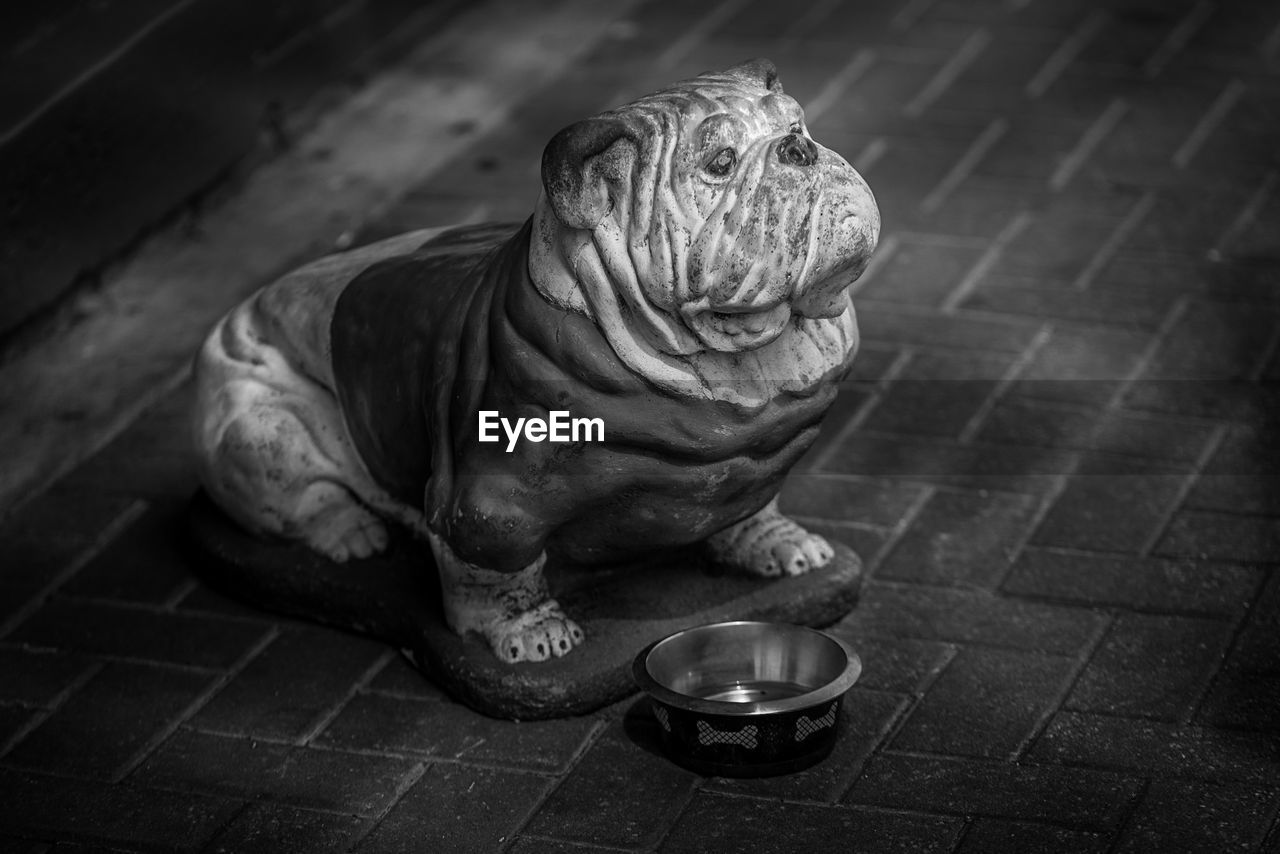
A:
[395,597]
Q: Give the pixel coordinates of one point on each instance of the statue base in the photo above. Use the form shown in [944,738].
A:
[395,597]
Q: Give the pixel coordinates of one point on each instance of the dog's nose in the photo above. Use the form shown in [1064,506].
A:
[797,150]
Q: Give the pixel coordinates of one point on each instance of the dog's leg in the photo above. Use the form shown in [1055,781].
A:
[769,544]
[269,472]
[272,448]
[512,611]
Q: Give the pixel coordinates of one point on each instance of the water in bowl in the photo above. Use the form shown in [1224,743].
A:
[753,691]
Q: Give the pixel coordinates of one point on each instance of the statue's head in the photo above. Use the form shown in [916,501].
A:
[703,217]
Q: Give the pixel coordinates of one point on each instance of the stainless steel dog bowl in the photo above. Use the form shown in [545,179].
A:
[747,699]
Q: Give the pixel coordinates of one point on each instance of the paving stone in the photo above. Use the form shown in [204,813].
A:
[763,19]
[1130,40]
[1175,815]
[542,845]
[154,458]
[1184,274]
[869,502]
[887,325]
[36,677]
[14,721]
[1145,141]
[1081,364]
[1213,341]
[301,676]
[961,616]
[1189,215]
[400,678]
[147,563]
[865,718]
[13,845]
[992,834]
[1221,536]
[1243,476]
[1146,583]
[1230,33]
[920,272]
[1144,746]
[1117,510]
[979,207]
[938,395]
[1025,297]
[949,463]
[1246,692]
[986,703]
[42,537]
[1246,402]
[204,601]
[297,776]
[101,728]
[621,793]
[77,848]
[105,628]
[960,538]
[1061,240]
[1151,665]
[31,25]
[1155,438]
[14,600]
[871,364]
[59,807]
[1244,696]
[1240,156]
[458,808]
[111,155]
[382,723]
[1073,797]
[894,665]
[893,81]
[1029,148]
[275,829]
[721,823]
[1264,620]
[1026,421]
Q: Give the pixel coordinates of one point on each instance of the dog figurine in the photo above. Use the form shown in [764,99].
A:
[681,287]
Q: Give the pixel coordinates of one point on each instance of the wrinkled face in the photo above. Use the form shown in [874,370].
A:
[782,224]
[733,219]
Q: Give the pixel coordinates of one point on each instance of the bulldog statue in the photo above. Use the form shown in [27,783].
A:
[681,289]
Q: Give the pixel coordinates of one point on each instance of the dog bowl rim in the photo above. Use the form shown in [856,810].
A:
[822,694]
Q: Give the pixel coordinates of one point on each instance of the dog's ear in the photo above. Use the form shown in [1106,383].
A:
[586,165]
[762,72]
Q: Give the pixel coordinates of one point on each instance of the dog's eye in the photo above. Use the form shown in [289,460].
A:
[723,162]
[796,128]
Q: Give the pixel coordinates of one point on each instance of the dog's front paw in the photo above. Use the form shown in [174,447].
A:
[770,545]
[535,635]
[793,552]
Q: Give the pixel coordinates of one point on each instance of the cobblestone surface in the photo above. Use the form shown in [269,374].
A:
[1057,457]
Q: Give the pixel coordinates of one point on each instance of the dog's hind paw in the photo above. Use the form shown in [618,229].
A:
[770,545]
[535,635]
[341,528]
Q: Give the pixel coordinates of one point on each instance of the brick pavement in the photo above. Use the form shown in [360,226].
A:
[114,118]
[1056,455]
